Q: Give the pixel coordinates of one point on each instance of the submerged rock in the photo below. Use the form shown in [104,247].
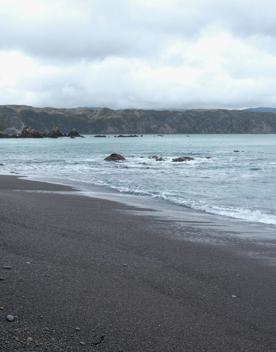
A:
[157,158]
[127,135]
[182,158]
[115,157]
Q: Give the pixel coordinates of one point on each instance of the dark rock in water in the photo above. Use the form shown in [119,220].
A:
[28,132]
[73,133]
[10,318]
[208,157]
[100,136]
[115,157]
[236,151]
[55,133]
[157,158]
[127,135]
[182,158]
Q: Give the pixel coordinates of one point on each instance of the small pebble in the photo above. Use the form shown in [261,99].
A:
[2,278]
[77,328]
[29,339]
[10,318]
[1,308]
[28,263]
[234,296]
[7,267]
[98,341]
[82,343]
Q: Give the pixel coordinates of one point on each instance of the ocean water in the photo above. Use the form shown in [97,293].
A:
[218,181]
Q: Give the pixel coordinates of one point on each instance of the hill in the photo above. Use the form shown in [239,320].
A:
[263,109]
[104,120]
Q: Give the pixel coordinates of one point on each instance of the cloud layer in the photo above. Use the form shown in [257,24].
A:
[138,53]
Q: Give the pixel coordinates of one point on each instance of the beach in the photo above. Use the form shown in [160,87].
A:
[85,274]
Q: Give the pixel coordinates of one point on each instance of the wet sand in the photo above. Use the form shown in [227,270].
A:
[88,275]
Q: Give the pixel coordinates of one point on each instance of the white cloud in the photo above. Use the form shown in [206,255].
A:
[138,53]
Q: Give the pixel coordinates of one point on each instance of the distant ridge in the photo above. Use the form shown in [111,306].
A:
[134,121]
[262,109]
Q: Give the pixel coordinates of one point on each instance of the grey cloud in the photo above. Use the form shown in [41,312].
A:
[97,29]
[138,53]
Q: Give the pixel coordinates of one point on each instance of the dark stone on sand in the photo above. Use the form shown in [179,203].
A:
[98,341]
[182,158]
[10,318]
[115,157]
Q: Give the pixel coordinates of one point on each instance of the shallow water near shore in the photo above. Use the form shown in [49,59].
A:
[231,175]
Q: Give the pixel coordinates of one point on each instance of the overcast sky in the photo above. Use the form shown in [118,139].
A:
[138,53]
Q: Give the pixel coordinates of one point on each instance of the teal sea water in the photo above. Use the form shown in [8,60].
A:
[219,181]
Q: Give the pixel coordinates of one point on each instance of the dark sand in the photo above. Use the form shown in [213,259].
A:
[86,263]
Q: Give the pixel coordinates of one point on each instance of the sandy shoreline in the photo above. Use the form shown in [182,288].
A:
[86,263]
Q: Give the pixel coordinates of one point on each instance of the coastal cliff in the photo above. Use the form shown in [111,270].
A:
[105,121]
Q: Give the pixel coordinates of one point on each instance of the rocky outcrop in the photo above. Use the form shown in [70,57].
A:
[73,133]
[115,157]
[182,158]
[28,132]
[55,133]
